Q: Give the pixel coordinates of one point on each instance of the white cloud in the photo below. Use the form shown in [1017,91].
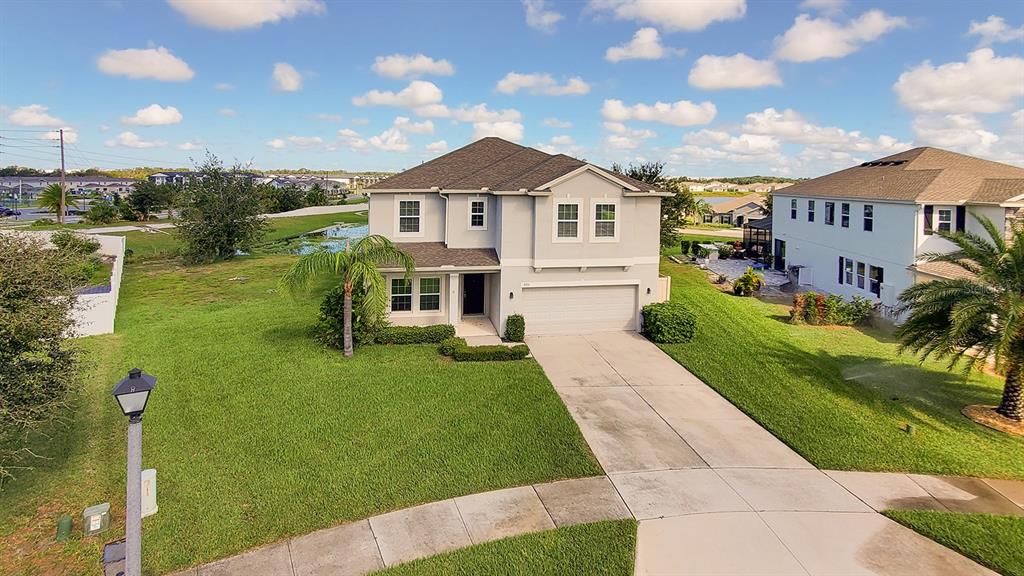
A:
[958,131]
[681,113]
[403,66]
[985,83]
[348,133]
[350,139]
[132,140]
[104,127]
[33,115]
[1017,119]
[276,144]
[541,84]
[439,146]
[286,77]
[417,94]
[995,30]
[503,129]
[190,145]
[812,39]
[706,137]
[738,71]
[154,115]
[390,140]
[556,123]
[645,45]
[691,15]
[156,63]
[306,141]
[790,126]
[227,112]
[70,135]
[539,17]
[403,124]
[752,144]
[360,121]
[236,15]
[223,87]
[470,114]
[826,6]
[334,118]
[562,144]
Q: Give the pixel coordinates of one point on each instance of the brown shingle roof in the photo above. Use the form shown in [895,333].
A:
[920,175]
[490,163]
[943,270]
[734,203]
[435,255]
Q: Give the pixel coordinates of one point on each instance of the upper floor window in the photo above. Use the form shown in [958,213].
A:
[830,213]
[478,214]
[408,216]
[568,220]
[792,209]
[606,220]
[844,215]
[944,223]
[430,294]
[810,210]
[869,217]
[401,295]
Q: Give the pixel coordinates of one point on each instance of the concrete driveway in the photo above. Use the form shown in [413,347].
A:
[714,492]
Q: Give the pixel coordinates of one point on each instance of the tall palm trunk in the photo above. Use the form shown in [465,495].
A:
[348,320]
[1012,404]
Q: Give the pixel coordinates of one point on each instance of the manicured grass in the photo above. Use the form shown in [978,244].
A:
[995,541]
[676,249]
[840,396]
[164,243]
[258,432]
[602,548]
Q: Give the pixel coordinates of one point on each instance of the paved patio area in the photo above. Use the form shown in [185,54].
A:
[733,269]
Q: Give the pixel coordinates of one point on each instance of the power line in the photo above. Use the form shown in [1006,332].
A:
[23,155]
[27,129]
[101,155]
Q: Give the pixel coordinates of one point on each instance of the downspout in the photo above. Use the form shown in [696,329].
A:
[443,195]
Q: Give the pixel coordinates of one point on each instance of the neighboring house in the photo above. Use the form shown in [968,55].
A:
[864,230]
[496,228]
[170,177]
[737,211]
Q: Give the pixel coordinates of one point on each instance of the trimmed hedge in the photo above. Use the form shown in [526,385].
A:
[416,334]
[494,353]
[449,345]
[515,328]
[669,323]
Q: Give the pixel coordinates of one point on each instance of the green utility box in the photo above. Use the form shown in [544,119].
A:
[96,519]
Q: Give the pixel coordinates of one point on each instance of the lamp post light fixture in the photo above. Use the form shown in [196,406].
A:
[132,394]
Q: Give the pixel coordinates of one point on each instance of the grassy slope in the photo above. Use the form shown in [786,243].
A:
[840,396]
[259,433]
[995,541]
[599,549]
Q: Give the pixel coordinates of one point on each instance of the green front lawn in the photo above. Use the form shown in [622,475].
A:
[840,396]
[995,541]
[259,433]
[599,549]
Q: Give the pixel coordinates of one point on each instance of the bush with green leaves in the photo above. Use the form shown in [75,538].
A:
[448,346]
[725,251]
[72,243]
[832,310]
[684,247]
[38,365]
[331,326]
[220,214]
[416,334]
[668,323]
[493,353]
[515,328]
[748,283]
[101,212]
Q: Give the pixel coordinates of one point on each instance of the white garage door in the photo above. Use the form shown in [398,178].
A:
[579,309]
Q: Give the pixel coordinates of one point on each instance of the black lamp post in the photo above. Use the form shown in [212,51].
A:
[132,394]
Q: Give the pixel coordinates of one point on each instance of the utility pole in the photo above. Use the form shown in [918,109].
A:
[63,208]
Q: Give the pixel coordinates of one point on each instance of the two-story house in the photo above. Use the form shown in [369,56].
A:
[496,228]
[736,211]
[863,230]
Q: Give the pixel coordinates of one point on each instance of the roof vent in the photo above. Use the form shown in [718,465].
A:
[883,163]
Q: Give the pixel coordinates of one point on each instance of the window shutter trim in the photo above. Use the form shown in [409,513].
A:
[928,211]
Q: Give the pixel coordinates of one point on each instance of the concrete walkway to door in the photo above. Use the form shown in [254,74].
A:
[714,492]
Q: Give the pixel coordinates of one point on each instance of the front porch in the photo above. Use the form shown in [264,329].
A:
[477,330]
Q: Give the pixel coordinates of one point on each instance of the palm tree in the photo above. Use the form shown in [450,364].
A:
[355,265]
[50,199]
[978,317]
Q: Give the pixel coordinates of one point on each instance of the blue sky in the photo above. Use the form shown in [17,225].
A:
[720,87]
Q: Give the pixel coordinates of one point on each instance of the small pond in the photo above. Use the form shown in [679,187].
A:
[332,238]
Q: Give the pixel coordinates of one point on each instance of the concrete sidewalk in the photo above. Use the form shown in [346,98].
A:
[714,492]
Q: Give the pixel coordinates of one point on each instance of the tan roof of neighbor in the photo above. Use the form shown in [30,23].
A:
[435,255]
[943,270]
[920,175]
[490,163]
[734,203]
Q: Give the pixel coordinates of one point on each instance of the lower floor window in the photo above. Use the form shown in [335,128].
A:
[848,270]
[430,293]
[877,277]
[860,275]
[401,295]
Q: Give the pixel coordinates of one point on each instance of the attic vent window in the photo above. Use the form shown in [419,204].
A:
[880,163]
